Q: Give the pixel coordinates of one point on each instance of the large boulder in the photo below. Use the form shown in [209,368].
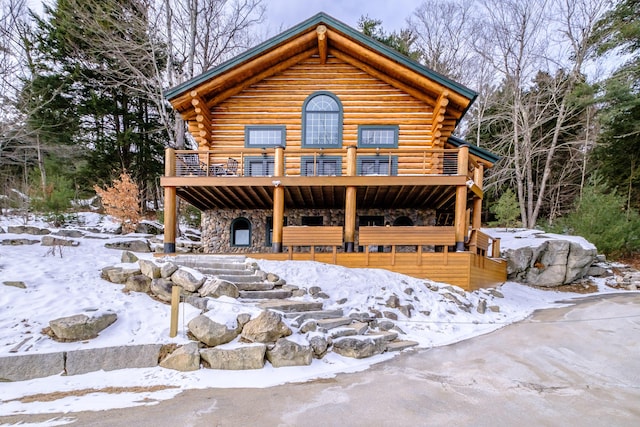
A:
[149,268]
[184,359]
[359,347]
[27,229]
[289,353]
[130,245]
[217,287]
[80,326]
[138,283]
[236,358]
[553,262]
[119,273]
[189,279]
[112,358]
[210,332]
[268,327]
[56,241]
[161,289]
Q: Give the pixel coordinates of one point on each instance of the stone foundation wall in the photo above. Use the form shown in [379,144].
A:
[216,224]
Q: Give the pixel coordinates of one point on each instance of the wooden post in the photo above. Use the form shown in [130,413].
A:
[495,248]
[463,160]
[476,223]
[350,202]
[175,308]
[278,201]
[322,43]
[170,204]
[460,214]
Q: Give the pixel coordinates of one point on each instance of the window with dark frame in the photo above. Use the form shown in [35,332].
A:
[259,166]
[240,232]
[264,136]
[321,166]
[322,121]
[378,136]
[315,221]
[377,165]
[268,240]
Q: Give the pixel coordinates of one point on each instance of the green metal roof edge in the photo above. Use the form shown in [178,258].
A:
[474,149]
[315,20]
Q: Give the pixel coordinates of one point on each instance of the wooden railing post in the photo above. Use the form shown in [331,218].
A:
[350,202]
[463,160]
[478,175]
[170,204]
[495,248]
[278,201]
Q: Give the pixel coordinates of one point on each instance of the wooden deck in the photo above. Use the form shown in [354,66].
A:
[464,269]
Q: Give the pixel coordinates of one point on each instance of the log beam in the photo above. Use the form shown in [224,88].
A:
[322,43]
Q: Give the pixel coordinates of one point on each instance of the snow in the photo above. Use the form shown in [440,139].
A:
[516,238]
[69,284]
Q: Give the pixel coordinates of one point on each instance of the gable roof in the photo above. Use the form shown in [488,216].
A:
[304,40]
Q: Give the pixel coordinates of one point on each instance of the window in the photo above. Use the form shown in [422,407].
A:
[264,136]
[259,166]
[377,165]
[240,232]
[321,165]
[403,221]
[322,121]
[268,240]
[312,220]
[378,136]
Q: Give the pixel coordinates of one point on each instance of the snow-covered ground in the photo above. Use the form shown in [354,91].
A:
[61,285]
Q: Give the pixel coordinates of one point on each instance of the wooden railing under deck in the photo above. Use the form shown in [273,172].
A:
[406,236]
[312,236]
[479,243]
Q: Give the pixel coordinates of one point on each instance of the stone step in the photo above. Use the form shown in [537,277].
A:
[257,286]
[268,294]
[387,336]
[333,322]
[289,306]
[300,318]
[233,262]
[237,278]
[400,345]
[215,271]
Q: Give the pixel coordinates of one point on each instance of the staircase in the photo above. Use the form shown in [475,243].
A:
[255,289]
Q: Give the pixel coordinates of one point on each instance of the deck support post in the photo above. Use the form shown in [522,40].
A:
[278,201]
[461,199]
[350,203]
[170,204]
[478,175]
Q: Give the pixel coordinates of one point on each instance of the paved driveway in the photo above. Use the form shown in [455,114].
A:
[562,367]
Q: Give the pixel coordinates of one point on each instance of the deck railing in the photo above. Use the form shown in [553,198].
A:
[320,162]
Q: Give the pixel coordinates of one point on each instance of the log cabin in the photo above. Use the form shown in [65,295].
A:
[323,144]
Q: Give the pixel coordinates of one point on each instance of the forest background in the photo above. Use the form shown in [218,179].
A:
[81,89]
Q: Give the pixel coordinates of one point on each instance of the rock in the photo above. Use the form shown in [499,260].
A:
[242,319]
[359,347]
[167,269]
[149,227]
[390,315]
[268,327]
[393,301]
[70,233]
[289,353]
[188,278]
[161,288]
[272,277]
[80,326]
[149,268]
[55,241]
[138,283]
[19,242]
[130,245]
[217,287]
[209,332]
[482,306]
[128,257]
[314,290]
[496,293]
[245,357]
[319,344]
[119,274]
[406,309]
[184,359]
[196,301]
[494,308]
[15,284]
[112,358]
[28,367]
[385,325]
[27,229]
[308,326]
[598,271]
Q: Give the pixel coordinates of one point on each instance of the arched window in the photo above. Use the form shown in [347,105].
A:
[403,221]
[240,232]
[322,121]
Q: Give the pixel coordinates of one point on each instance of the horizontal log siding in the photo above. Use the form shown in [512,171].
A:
[278,100]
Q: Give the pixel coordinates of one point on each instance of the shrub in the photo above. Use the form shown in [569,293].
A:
[506,209]
[122,201]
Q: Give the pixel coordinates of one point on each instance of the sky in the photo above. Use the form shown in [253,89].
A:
[392,13]
[141,320]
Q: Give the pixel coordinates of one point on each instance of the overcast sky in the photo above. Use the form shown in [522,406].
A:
[283,14]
